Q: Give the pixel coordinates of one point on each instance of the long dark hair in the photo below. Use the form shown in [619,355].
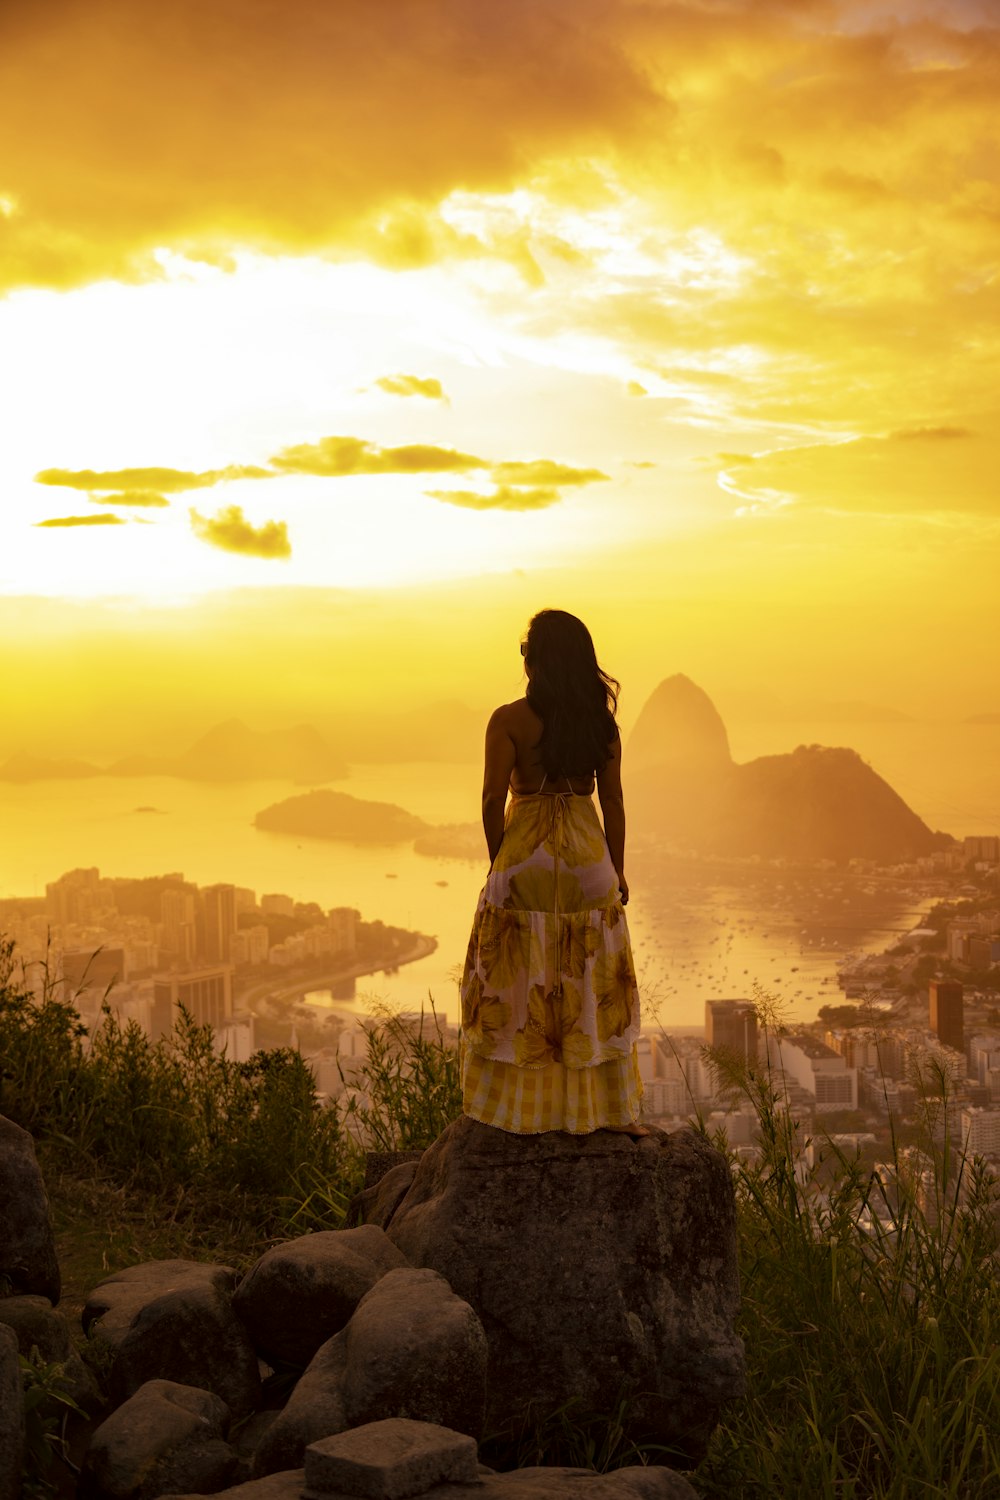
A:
[575,700]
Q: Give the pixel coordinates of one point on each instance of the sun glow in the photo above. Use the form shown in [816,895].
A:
[709,311]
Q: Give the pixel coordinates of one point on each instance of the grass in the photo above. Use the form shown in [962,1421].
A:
[871,1298]
[156,1150]
[870,1312]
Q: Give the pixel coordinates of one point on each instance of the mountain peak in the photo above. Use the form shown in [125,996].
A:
[679,726]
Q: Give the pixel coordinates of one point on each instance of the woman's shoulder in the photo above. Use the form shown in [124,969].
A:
[515,717]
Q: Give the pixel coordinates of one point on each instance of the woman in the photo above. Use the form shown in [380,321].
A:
[550,1005]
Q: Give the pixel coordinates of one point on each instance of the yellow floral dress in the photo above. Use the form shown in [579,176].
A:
[550,1004]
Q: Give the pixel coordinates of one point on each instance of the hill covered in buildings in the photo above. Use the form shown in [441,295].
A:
[815,802]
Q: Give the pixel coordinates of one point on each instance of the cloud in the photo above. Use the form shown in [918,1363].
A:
[635,389]
[935,471]
[412,385]
[159,480]
[340,456]
[230,530]
[149,498]
[504,497]
[448,94]
[542,471]
[332,457]
[804,195]
[103,520]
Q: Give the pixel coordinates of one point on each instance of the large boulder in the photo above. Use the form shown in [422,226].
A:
[301,1293]
[412,1349]
[603,1269]
[38,1325]
[376,1204]
[11,1417]
[165,1437]
[27,1249]
[173,1320]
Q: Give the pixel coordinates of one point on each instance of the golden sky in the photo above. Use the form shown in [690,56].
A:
[359,331]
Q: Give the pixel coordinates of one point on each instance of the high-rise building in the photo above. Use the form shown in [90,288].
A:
[250,945]
[342,921]
[218,923]
[817,1069]
[86,969]
[947,1012]
[981,1131]
[206,993]
[732,1024]
[178,933]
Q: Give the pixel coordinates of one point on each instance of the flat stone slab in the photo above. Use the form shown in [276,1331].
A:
[390,1460]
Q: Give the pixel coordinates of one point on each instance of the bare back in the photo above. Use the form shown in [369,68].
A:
[513,762]
[528,776]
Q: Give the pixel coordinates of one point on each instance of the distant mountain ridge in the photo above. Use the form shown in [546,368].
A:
[228,752]
[231,751]
[817,802]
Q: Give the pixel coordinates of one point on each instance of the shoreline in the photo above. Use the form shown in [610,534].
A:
[423,947]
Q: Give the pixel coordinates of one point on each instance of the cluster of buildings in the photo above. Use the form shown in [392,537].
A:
[815,1071]
[165,941]
[974,942]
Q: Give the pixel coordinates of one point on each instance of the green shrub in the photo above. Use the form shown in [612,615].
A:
[41,1050]
[170,1115]
[408,1087]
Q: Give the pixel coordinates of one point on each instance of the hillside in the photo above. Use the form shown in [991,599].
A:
[22,767]
[228,752]
[232,752]
[816,802]
[335,815]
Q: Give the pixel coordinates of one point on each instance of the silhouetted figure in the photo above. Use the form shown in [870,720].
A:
[550,1004]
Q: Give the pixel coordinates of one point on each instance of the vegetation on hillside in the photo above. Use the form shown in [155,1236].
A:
[871,1299]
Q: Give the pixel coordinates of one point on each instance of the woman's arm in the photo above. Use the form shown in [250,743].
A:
[609,793]
[501,754]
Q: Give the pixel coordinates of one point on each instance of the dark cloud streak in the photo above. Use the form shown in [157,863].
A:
[102,520]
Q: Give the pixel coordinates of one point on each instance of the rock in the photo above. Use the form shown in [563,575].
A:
[27,1249]
[602,1269]
[11,1417]
[301,1293]
[637,1483]
[314,1410]
[377,1204]
[173,1320]
[166,1436]
[37,1324]
[416,1350]
[378,1163]
[390,1460]
[412,1349]
[287,1485]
